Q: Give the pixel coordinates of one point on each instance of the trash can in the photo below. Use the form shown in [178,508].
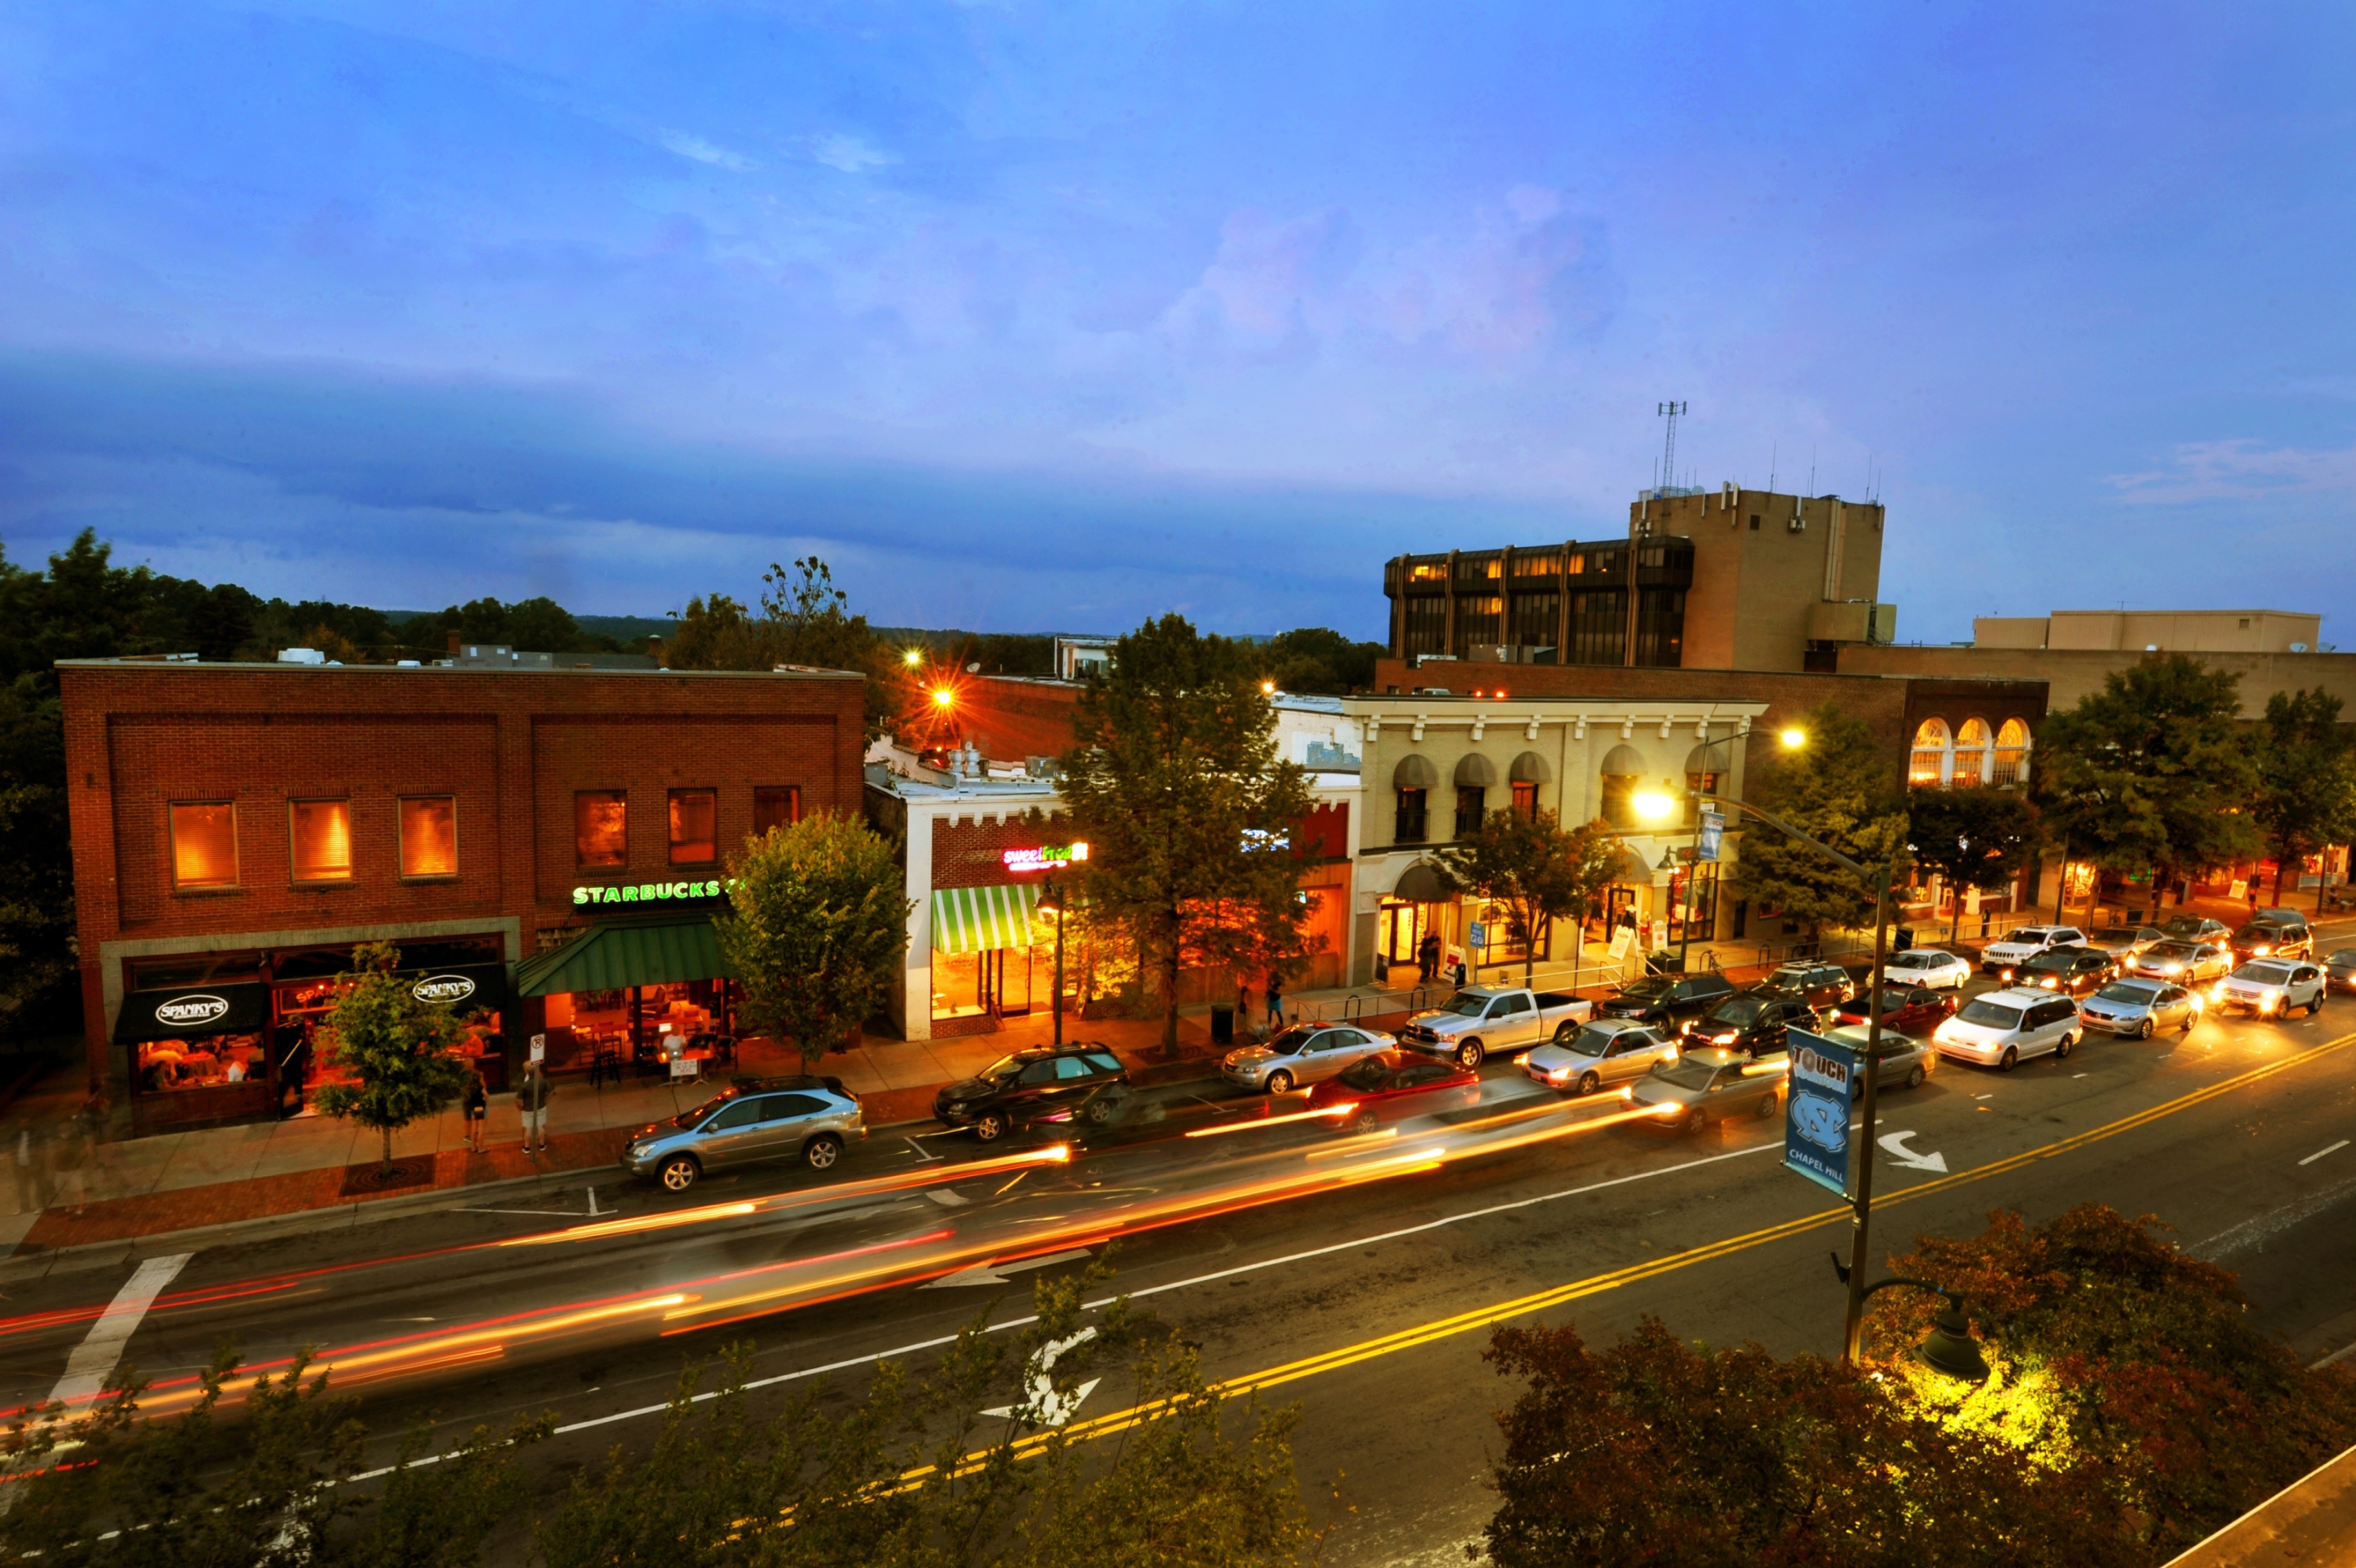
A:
[1223,1026]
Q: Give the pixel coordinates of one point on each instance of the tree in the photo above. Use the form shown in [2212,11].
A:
[1840,790]
[2152,773]
[402,1053]
[1314,659]
[804,619]
[1979,836]
[2306,778]
[1540,871]
[1173,781]
[816,924]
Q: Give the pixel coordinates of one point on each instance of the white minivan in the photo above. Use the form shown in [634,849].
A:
[1997,1029]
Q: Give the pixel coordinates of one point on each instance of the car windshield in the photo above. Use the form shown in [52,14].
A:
[1290,1042]
[2259,931]
[1740,1011]
[2033,935]
[2128,993]
[2263,973]
[1917,960]
[1367,1074]
[2173,951]
[2342,956]
[1466,1004]
[1003,1071]
[1590,1042]
[695,1118]
[2183,926]
[2051,957]
[2116,934]
[1994,1015]
[1791,974]
[1648,988]
[1686,1073]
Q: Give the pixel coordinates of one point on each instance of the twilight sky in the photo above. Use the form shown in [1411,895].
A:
[1033,318]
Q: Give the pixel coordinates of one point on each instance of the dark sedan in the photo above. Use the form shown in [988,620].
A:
[2072,970]
[1674,1001]
[2340,970]
[1916,1010]
[1755,1023]
[1393,1086]
[1014,1090]
[2274,934]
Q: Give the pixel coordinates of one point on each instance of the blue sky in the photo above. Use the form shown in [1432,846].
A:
[1032,317]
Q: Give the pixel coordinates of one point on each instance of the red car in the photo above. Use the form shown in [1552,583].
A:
[1393,1085]
[1914,1011]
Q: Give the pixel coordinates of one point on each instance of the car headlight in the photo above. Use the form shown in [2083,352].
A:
[1725,1039]
[2269,999]
[2217,991]
[2171,969]
[2261,951]
[1670,1055]
[2005,975]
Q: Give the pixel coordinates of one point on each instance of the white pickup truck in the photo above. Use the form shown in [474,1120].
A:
[1481,1020]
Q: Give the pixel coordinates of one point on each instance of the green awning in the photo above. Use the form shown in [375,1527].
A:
[619,954]
[978,920]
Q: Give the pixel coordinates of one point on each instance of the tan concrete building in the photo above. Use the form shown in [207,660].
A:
[2155,632]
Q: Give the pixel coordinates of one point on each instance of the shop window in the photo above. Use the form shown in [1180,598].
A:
[601,828]
[321,831]
[694,826]
[204,846]
[1410,824]
[777,807]
[1526,800]
[1620,801]
[1469,801]
[429,835]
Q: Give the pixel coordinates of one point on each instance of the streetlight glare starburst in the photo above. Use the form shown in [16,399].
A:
[1793,738]
[912,658]
[943,697]
[1653,805]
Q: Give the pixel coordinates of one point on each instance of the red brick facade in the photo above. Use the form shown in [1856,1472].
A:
[973,853]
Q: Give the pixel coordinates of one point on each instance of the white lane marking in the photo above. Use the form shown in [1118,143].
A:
[2077,1075]
[95,1359]
[2320,1153]
[1991,1095]
[593,1203]
[946,1198]
[1905,1159]
[919,1148]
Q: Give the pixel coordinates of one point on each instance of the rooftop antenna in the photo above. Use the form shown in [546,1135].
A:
[1812,470]
[1774,450]
[1669,410]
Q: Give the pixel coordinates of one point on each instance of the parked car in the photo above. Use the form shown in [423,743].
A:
[1482,1020]
[1609,1050]
[2274,933]
[2187,963]
[2197,929]
[1393,1086]
[2125,942]
[1304,1054]
[1672,1001]
[1915,1010]
[1903,1061]
[1013,1090]
[2073,972]
[2140,1007]
[1706,1086]
[1821,984]
[1754,1023]
[2272,988]
[1934,967]
[2022,943]
[2001,1028]
[749,1124]
[2340,968]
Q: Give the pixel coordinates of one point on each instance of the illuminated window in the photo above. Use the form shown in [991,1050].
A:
[1411,822]
[204,846]
[694,826]
[1971,753]
[2011,764]
[777,807]
[1526,800]
[321,831]
[429,835]
[601,827]
[1927,765]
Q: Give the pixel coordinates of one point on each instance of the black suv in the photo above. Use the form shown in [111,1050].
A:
[1822,984]
[2072,970]
[1757,1022]
[1013,1090]
[1670,1000]
[2274,933]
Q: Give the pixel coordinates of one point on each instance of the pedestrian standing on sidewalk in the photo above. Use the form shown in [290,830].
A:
[1275,989]
[532,1098]
[1427,956]
[477,1106]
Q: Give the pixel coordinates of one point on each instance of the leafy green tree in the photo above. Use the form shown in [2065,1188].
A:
[1314,659]
[1538,870]
[401,1053]
[1840,789]
[2152,773]
[2306,778]
[1174,782]
[1980,836]
[816,929]
[804,619]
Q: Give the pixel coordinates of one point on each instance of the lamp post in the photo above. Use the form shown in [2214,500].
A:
[1950,1347]
[1051,902]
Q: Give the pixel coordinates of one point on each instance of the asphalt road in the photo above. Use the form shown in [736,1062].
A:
[1357,1276]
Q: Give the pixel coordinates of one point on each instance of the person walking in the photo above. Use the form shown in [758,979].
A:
[1427,956]
[1275,989]
[476,1105]
[532,1098]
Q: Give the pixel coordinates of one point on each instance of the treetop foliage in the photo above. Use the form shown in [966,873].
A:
[1840,789]
[817,923]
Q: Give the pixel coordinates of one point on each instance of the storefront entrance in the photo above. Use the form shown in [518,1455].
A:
[991,957]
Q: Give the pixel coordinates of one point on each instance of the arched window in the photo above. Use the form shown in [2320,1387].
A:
[1971,754]
[2011,754]
[1928,765]
[1623,770]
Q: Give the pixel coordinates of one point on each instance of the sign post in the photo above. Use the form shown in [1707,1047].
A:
[540,1047]
[1815,1112]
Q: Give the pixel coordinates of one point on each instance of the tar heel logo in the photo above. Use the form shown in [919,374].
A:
[184,1012]
[440,988]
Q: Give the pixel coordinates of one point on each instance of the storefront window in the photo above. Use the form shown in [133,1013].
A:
[1410,825]
[322,834]
[600,827]
[694,826]
[429,835]
[776,808]
[1526,800]
[204,846]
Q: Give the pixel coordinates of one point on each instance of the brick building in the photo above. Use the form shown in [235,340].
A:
[544,845]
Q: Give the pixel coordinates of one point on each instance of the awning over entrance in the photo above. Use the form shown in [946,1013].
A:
[191,1011]
[1631,868]
[622,953]
[978,920]
[1420,884]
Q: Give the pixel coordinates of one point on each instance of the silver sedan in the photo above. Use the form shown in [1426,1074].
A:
[1609,1050]
[1304,1054]
[2183,963]
[2140,1007]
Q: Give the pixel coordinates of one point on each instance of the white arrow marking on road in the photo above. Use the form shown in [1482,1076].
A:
[1042,1405]
[946,1198]
[1906,1158]
[995,1273]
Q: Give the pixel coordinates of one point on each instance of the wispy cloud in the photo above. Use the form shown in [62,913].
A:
[2238,470]
[852,155]
[689,145]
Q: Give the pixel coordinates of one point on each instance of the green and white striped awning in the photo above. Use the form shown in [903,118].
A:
[976,919]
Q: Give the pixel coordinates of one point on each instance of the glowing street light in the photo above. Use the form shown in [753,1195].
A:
[912,658]
[1793,739]
[943,697]
[1267,687]
[1653,805]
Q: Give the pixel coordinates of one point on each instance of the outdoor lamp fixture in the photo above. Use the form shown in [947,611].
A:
[1950,1348]
[1653,805]
[1793,739]
[1669,860]
[1267,687]
[911,659]
[943,697]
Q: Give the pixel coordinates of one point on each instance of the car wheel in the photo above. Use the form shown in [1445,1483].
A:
[990,1126]
[678,1172]
[1101,1110]
[1364,1121]
[1695,1120]
[2010,1059]
[2061,1047]
[1469,1054]
[1280,1083]
[1766,1107]
[2315,1006]
[2143,1030]
[1589,1083]
[1914,1077]
[821,1152]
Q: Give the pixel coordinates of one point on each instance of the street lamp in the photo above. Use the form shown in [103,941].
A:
[1950,1348]
[1051,902]
[1793,739]
[912,658]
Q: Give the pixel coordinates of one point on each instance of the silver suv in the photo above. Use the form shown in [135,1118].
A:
[805,1119]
